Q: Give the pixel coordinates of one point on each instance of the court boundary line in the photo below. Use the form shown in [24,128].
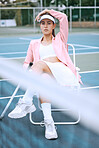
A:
[93,87]
[3,44]
[89,71]
[15,58]
[86,53]
[28,39]
[8,97]
[12,53]
[84,46]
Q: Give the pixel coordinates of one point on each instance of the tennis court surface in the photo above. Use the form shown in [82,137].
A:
[20,133]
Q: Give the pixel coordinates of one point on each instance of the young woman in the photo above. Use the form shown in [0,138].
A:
[50,59]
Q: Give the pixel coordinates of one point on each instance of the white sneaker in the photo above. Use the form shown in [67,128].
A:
[50,131]
[21,109]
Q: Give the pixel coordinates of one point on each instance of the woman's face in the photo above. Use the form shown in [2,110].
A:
[47,26]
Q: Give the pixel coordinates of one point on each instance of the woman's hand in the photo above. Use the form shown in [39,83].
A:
[41,13]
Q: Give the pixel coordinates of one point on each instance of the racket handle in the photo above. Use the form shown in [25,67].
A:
[30,64]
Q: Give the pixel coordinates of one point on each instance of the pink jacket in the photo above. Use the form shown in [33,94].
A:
[59,43]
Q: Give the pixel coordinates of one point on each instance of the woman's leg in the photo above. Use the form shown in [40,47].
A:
[50,131]
[25,104]
[40,67]
[45,103]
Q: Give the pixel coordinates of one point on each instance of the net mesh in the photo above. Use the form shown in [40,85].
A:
[21,133]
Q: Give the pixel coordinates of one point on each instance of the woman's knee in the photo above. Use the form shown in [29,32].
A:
[39,66]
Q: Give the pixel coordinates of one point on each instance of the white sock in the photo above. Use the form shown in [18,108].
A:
[46,108]
[28,96]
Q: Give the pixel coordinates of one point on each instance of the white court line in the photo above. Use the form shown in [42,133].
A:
[93,87]
[12,53]
[90,52]
[28,39]
[10,97]
[16,58]
[13,43]
[85,46]
[89,71]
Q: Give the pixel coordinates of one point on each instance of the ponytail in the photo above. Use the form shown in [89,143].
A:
[53,32]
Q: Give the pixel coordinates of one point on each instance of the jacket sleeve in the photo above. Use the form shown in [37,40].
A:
[63,24]
[29,57]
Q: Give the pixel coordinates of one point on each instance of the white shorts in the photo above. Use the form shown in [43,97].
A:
[63,75]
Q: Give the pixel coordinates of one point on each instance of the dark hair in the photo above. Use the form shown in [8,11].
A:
[53,31]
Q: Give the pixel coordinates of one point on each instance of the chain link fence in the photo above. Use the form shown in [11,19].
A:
[79,17]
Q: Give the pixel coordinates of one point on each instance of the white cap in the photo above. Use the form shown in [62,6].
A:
[46,16]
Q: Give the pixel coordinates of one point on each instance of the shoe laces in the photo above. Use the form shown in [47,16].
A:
[20,102]
[43,123]
[50,125]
